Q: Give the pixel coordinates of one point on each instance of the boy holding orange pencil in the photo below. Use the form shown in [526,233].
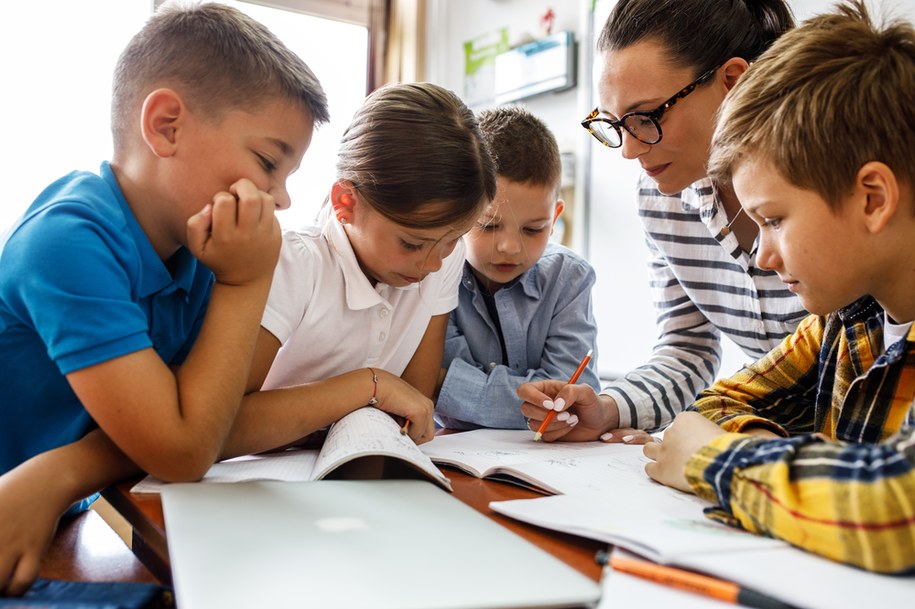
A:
[815,442]
[524,309]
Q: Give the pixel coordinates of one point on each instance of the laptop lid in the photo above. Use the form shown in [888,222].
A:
[367,544]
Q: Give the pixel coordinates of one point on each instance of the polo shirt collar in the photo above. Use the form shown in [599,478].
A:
[155,277]
[360,293]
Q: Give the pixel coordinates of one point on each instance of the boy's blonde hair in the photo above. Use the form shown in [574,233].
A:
[826,98]
[217,58]
[522,146]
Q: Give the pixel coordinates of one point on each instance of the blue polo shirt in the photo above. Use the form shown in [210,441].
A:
[81,284]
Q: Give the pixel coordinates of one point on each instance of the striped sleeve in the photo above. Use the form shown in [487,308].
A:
[684,360]
[853,503]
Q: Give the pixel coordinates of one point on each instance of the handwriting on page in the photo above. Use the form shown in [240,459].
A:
[371,431]
[563,467]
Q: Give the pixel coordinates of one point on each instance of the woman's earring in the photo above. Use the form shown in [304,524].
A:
[341,216]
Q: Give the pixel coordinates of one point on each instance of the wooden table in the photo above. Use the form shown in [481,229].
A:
[86,549]
[144,513]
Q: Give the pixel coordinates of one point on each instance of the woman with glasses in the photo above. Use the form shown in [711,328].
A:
[666,66]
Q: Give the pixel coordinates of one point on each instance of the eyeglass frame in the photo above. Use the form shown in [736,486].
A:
[653,115]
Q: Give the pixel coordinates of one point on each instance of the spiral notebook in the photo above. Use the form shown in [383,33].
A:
[368,544]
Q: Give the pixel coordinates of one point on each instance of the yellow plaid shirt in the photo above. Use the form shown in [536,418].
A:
[842,482]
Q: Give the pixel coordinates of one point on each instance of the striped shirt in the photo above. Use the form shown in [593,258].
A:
[853,500]
[703,285]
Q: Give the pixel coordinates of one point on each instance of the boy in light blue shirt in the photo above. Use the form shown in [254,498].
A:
[524,310]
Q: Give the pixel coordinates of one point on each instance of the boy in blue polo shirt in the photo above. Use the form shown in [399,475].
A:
[130,301]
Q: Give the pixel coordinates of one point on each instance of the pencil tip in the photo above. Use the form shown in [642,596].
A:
[537,436]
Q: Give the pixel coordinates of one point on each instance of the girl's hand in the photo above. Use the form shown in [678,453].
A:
[581,414]
[398,397]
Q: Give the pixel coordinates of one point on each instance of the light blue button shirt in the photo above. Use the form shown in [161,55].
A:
[548,326]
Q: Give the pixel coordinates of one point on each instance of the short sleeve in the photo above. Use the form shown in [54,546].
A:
[297,273]
[450,280]
[72,282]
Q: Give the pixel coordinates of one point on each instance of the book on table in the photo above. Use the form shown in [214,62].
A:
[547,467]
[365,444]
[670,527]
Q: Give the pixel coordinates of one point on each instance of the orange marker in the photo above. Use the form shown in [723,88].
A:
[552,413]
[691,582]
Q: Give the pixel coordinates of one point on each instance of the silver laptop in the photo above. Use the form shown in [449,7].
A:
[360,544]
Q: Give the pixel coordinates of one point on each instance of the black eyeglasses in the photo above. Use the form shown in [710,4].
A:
[643,126]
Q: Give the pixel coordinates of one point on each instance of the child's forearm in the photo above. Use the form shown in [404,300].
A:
[75,471]
[211,381]
[779,489]
[274,418]
[38,492]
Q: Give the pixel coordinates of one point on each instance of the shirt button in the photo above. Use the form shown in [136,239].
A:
[492,365]
[381,337]
[383,313]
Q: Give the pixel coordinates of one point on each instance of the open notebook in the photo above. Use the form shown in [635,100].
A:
[368,544]
[366,443]
[669,527]
[512,455]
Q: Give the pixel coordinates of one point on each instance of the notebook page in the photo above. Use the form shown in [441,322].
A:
[655,521]
[822,583]
[369,431]
[286,466]
[617,466]
[490,450]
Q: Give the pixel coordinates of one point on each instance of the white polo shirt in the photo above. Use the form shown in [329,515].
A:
[330,319]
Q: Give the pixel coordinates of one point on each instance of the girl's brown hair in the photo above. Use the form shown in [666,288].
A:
[410,145]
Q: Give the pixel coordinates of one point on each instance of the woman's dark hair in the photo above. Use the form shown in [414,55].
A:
[698,33]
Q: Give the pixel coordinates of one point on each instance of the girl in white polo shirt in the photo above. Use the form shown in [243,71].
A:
[359,304]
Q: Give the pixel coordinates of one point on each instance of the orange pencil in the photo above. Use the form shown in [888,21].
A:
[406,428]
[726,591]
[552,413]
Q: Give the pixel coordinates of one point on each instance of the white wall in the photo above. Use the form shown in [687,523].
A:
[451,23]
[605,189]
[56,111]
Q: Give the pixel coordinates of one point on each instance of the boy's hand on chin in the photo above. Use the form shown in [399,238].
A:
[689,432]
[237,236]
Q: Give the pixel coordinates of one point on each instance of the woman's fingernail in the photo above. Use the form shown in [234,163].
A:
[562,416]
[628,438]
[548,404]
[573,420]
[607,437]
[559,404]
